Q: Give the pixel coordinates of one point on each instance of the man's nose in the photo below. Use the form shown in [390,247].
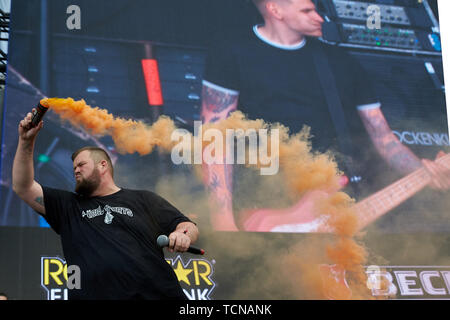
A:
[318,18]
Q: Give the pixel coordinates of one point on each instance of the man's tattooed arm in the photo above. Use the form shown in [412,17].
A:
[40,200]
[23,182]
[217,104]
[218,180]
[387,144]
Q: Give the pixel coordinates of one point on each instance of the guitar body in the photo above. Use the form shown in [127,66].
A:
[303,217]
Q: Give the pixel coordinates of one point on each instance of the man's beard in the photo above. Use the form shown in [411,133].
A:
[86,187]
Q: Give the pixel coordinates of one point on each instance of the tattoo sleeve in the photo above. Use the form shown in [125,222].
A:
[387,144]
[217,104]
[220,184]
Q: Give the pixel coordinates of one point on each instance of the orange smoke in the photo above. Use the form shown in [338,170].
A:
[129,136]
[303,171]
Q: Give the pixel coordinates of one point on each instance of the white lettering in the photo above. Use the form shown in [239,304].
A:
[213,152]
[405,285]
[183,147]
[373,277]
[390,290]
[446,277]
[73,280]
[374,19]
[247,309]
[190,295]
[258,147]
[423,138]
[201,295]
[196,310]
[198,136]
[240,136]
[273,159]
[428,286]
[74,20]
[55,294]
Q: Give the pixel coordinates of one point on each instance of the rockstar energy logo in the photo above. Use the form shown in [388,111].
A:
[54,278]
[194,277]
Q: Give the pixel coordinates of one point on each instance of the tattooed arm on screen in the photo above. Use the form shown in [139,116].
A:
[217,104]
[398,155]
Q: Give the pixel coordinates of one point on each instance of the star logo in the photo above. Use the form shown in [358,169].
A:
[182,273]
[194,277]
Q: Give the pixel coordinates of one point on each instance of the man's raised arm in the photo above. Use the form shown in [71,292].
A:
[23,181]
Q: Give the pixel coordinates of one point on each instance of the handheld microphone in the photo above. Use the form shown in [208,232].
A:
[38,114]
[163,241]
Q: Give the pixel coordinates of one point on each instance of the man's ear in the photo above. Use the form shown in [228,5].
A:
[273,10]
[104,164]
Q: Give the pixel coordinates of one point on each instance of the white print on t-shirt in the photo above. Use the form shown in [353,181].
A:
[107,210]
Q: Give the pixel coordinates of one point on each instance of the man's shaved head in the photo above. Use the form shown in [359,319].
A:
[261,4]
[97,154]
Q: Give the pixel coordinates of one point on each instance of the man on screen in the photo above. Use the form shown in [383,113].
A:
[270,74]
[108,232]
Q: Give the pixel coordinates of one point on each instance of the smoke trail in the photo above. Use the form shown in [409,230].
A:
[129,136]
[303,171]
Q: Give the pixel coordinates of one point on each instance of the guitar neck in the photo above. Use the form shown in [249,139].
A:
[393,195]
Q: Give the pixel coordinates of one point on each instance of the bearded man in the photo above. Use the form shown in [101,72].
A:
[107,231]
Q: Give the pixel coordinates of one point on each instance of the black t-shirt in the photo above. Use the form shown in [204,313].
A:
[113,241]
[280,84]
